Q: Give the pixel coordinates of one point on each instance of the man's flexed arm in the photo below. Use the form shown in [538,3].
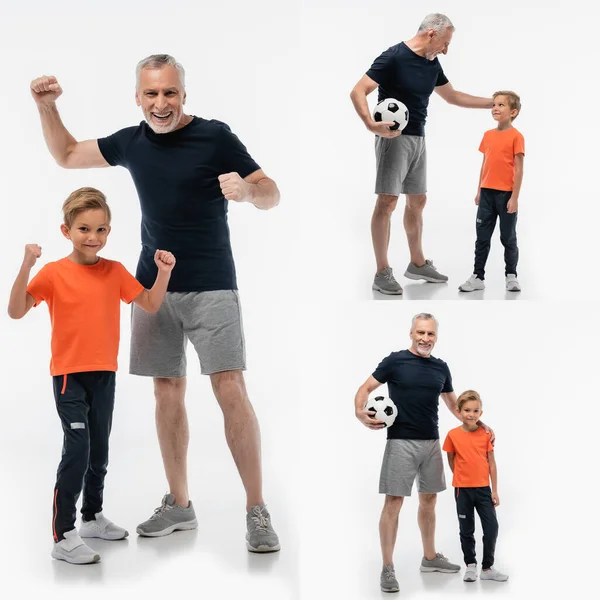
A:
[66,150]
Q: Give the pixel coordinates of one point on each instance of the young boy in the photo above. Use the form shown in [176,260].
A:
[471,459]
[498,191]
[83,293]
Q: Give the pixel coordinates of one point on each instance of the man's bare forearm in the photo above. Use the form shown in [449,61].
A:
[58,139]
[467,101]
[264,194]
[361,106]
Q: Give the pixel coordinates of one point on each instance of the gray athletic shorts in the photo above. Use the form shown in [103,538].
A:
[403,460]
[212,321]
[401,165]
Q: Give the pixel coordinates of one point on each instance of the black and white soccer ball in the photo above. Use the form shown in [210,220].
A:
[384,408]
[392,110]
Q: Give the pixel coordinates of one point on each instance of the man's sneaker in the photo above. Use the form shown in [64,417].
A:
[439,563]
[386,283]
[167,518]
[472,284]
[388,580]
[512,283]
[471,573]
[493,574]
[102,528]
[427,272]
[261,536]
[74,550]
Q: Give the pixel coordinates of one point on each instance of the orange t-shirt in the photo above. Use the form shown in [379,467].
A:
[471,466]
[499,149]
[85,311]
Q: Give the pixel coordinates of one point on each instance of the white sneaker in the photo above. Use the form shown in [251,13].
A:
[493,574]
[74,550]
[512,283]
[471,572]
[472,284]
[102,528]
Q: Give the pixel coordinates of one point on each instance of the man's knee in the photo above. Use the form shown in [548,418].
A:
[416,202]
[229,387]
[392,505]
[169,390]
[427,502]
[386,204]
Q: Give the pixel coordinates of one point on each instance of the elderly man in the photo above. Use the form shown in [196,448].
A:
[185,170]
[409,72]
[415,381]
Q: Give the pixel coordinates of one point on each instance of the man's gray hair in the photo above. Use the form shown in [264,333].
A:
[436,21]
[425,317]
[158,61]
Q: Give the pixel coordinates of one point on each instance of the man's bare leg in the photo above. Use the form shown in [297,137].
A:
[173,433]
[241,431]
[426,520]
[381,228]
[388,527]
[413,225]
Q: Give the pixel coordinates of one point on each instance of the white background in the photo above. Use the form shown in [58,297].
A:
[280,75]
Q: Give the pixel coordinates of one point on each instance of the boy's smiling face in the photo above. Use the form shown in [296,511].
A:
[501,110]
[470,413]
[88,232]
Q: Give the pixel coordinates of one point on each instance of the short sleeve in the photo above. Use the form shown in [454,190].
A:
[383,370]
[114,147]
[447,388]
[482,145]
[448,445]
[441,79]
[382,67]
[233,154]
[519,144]
[40,287]
[130,287]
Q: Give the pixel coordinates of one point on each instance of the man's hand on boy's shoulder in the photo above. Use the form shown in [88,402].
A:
[32,253]
[165,261]
[488,430]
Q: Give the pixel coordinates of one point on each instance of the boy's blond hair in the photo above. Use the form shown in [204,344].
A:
[513,99]
[468,396]
[85,198]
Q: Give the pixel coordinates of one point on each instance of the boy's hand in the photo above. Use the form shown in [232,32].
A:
[366,418]
[164,260]
[495,499]
[477,200]
[32,253]
[512,206]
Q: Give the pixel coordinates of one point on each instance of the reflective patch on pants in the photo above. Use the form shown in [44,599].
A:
[77,425]
[462,516]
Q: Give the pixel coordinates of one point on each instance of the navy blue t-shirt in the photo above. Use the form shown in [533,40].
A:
[183,209]
[404,75]
[414,385]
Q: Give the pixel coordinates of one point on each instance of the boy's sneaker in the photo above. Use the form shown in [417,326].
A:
[261,536]
[388,580]
[439,563]
[512,283]
[74,550]
[472,284]
[167,518]
[102,528]
[386,283]
[471,573]
[493,575]
[427,272]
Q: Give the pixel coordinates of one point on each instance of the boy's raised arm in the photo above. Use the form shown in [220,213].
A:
[20,301]
[151,300]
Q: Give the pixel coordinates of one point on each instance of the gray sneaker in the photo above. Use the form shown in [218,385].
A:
[261,536]
[388,580]
[167,518]
[472,284]
[439,563]
[512,283]
[74,550]
[427,272]
[386,283]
